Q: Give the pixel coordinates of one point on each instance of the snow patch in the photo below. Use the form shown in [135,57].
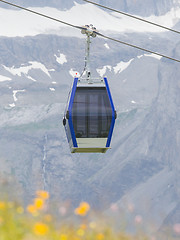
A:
[122,66]
[153,55]
[12,105]
[74,73]
[25,69]
[106,46]
[61,59]
[34,80]
[4,78]
[15,92]
[103,70]
[52,89]
[150,55]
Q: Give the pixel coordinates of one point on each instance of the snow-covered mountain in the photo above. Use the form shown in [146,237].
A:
[38,61]
[79,14]
[139,7]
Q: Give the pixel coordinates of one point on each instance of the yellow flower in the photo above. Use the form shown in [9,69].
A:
[40,228]
[2,205]
[42,194]
[38,203]
[31,209]
[99,236]
[63,237]
[83,209]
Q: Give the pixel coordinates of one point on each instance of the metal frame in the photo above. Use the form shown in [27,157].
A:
[90,31]
[113,113]
[70,113]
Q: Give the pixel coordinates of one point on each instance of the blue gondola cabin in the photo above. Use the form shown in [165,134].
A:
[90,117]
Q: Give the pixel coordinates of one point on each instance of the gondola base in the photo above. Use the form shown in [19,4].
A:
[89,150]
[90,145]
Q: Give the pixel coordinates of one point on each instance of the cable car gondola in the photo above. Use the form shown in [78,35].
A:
[90,116]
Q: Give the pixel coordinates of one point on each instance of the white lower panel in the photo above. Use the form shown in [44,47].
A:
[90,145]
[91,142]
[89,150]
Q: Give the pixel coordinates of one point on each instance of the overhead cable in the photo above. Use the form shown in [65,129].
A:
[132,16]
[140,48]
[99,34]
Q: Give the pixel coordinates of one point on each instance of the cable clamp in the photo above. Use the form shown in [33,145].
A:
[89,30]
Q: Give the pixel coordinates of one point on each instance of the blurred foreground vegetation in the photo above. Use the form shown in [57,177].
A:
[39,221]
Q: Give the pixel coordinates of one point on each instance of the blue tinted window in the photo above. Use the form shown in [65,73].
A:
[91,112]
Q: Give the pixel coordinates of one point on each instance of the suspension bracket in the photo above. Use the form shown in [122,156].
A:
[90,31]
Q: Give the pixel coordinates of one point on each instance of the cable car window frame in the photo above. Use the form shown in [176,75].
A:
[95,112]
